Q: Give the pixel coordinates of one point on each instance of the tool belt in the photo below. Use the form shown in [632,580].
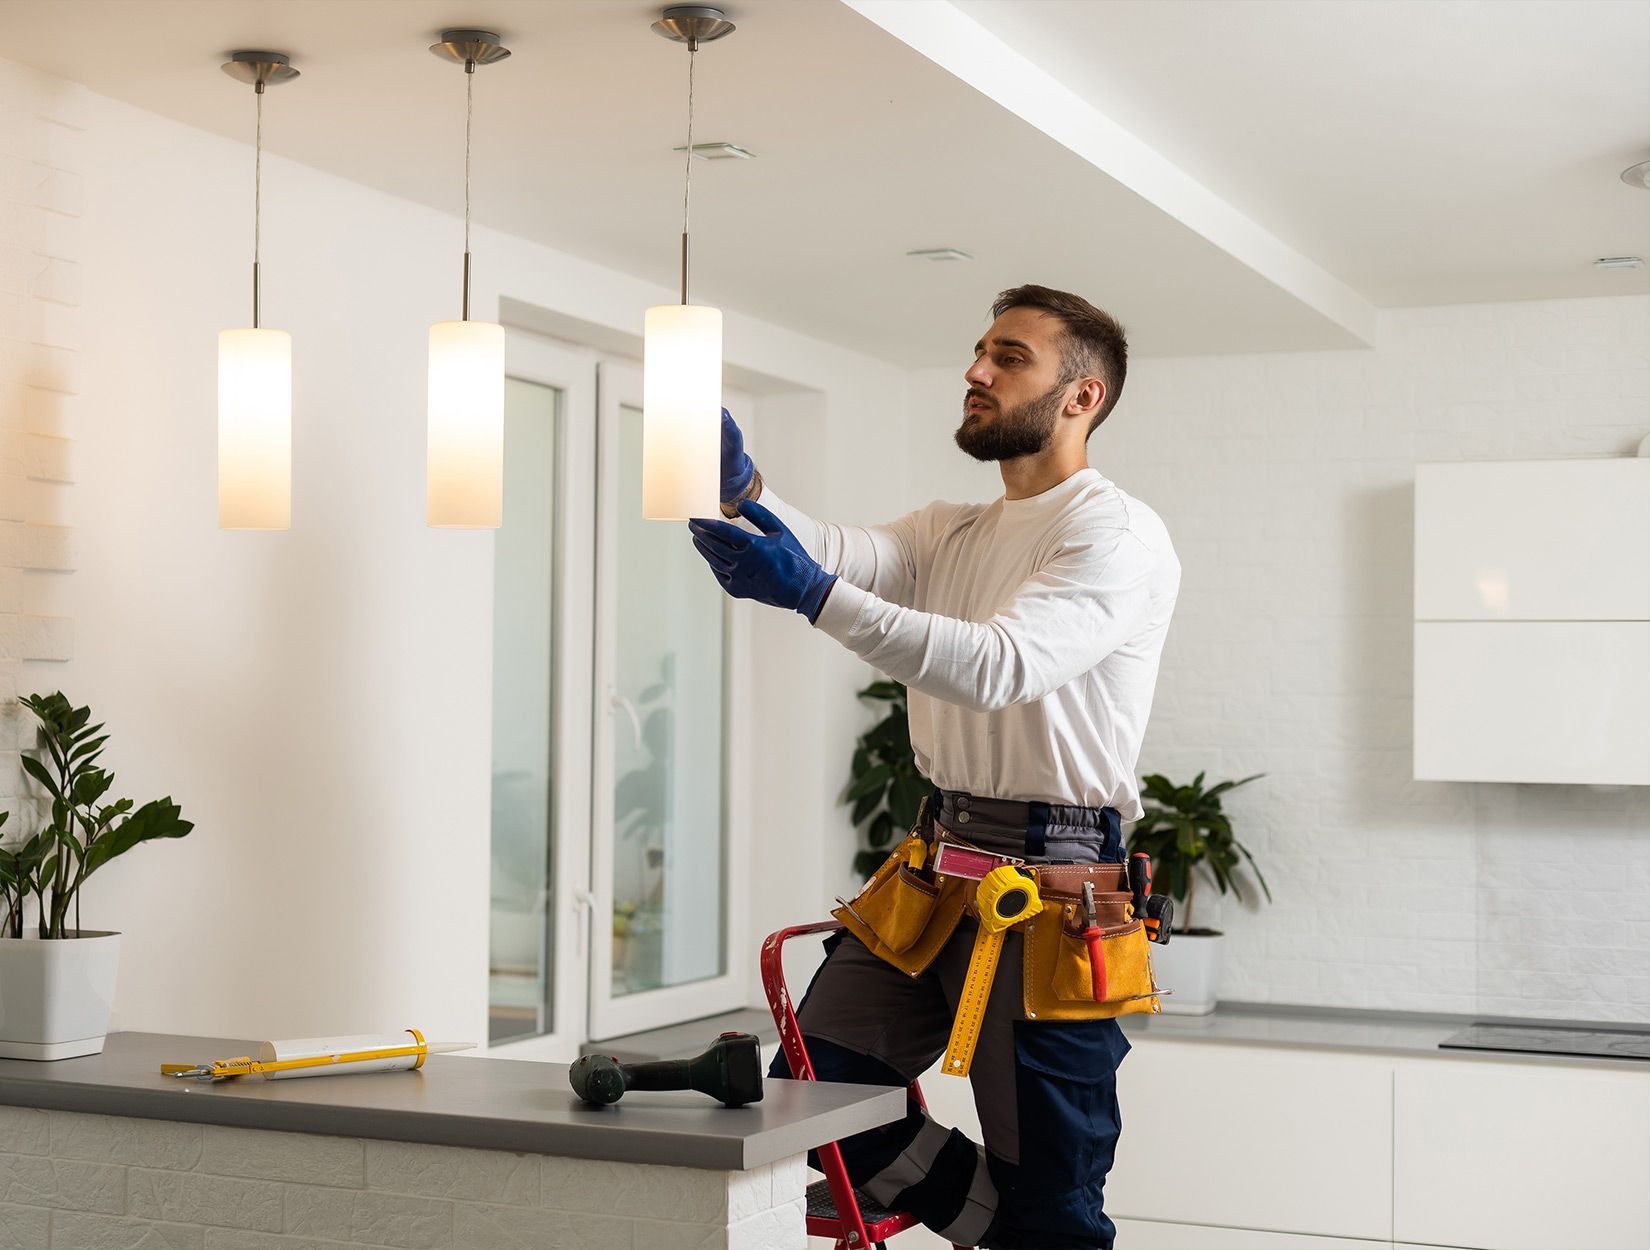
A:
[913,903]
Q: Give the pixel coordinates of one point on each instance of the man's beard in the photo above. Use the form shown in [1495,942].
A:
[1025,430]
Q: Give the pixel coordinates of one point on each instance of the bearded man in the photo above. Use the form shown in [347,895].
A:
[1028,631]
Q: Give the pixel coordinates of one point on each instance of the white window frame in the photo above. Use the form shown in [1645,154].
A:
[572,371]
[619,385]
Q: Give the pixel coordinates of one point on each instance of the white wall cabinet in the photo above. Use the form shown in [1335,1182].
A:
[1532,621]
[1549,701]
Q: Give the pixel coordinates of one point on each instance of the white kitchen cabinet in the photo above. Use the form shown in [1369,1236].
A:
[1548,701]
[1533,540]
[1159,1235]
[1518,1156]
[1253,1137]
[1532,621]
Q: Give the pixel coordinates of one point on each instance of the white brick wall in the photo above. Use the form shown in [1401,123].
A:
[87,1182]
[1287,481]
[40,197]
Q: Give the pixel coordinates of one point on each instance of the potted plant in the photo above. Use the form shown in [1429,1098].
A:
[1184,831]
[885,787]
[57,984]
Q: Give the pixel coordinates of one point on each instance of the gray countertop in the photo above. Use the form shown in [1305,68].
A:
[454,1100]
[1345,1028]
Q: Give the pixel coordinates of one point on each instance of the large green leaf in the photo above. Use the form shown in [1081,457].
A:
[872,782]
[905,798]
[90,786]
[161,818]
[39,772]
[865,805]
[881,831]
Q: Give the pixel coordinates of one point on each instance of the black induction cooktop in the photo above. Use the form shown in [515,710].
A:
[1542,1039]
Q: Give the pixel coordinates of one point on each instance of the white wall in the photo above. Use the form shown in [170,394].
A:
[1286,483]
[318,701]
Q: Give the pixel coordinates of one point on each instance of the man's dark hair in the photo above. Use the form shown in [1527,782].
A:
[1092,346]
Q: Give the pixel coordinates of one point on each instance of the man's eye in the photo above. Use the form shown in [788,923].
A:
[1012,360]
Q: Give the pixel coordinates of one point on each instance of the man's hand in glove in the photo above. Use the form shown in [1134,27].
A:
[770,567]
[737,469]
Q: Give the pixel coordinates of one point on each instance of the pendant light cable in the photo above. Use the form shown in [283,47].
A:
[687,175]
[469,116]
[257,198]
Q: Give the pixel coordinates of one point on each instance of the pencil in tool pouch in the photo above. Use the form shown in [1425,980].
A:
[322,1056]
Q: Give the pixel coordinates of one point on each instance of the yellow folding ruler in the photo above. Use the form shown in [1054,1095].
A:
[1007,895]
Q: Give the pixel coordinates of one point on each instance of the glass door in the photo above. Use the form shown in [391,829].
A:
[542,588]
[667,869]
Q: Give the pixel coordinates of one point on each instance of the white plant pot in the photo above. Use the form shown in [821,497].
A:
[56,994]
[1189,964]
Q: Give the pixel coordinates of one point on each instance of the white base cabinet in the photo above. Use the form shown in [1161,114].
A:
[1512,1156]
[1227,1147]
[1161,1235]
[1245,1137]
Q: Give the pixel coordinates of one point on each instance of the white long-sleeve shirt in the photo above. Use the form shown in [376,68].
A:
[1027,630]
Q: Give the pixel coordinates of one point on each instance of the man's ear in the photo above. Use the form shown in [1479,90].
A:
[1086,401]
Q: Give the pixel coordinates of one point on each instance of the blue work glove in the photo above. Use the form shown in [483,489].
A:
[770,567]
[737,469]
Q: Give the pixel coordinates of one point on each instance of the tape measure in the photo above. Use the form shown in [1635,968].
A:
[1006,896]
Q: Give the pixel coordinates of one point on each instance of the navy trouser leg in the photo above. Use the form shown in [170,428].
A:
[1065,1092]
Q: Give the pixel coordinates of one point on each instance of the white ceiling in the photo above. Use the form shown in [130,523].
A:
[1439,151]
[1424,151]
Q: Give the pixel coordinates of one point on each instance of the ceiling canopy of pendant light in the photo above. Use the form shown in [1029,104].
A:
[255,364]
[464,484]
[682,346]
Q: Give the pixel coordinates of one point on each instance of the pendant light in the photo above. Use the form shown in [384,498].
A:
[255,365]
[464,482]
[682,348]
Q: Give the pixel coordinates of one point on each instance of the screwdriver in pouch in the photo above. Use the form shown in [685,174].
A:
[1091,935]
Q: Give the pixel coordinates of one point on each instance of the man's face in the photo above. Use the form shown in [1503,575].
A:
[1014,397]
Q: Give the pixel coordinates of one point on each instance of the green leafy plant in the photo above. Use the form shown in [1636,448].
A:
[1183,828]
[885,788]
[82,833]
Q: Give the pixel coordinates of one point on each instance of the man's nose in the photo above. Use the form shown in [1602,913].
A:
[979,373]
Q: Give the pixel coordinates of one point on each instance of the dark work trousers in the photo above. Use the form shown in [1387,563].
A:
[1046,1091]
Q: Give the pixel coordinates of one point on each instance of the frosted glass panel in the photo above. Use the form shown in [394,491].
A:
[667,719]
[519,981]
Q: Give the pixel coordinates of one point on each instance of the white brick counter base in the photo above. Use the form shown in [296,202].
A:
[93,1182]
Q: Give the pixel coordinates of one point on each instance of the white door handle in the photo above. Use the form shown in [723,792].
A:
[620,703]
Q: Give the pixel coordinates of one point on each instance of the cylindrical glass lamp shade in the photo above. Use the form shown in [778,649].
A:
[681,412]
[465,469]
[254,430]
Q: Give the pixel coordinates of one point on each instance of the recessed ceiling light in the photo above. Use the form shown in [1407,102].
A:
[941,253]
[718,152]
[1619,262]
[1638,176]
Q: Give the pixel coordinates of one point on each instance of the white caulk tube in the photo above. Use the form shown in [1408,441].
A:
[360,1052]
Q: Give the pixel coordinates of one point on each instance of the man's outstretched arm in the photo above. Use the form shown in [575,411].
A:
[1086,602]
[878,558]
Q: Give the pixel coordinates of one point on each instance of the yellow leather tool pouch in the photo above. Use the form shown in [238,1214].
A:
[1059,982]
[903,919]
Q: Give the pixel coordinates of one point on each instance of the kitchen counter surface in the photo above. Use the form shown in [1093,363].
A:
[454,1100]
[1279,1024]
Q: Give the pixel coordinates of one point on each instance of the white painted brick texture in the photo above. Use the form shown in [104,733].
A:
[1287,483]
[40,329]
[89,1182]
